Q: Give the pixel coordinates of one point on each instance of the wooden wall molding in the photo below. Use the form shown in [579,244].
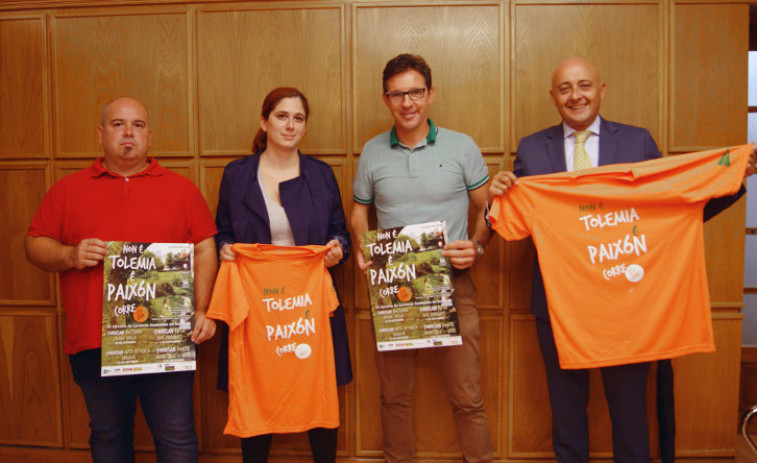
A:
[203,68]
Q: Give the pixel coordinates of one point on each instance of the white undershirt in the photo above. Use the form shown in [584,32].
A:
[281,230]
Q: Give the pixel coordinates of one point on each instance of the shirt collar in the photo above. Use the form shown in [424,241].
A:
[153,169]
[593,128]
[430,137]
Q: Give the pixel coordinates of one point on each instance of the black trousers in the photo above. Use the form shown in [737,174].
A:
[322,442]
[626,394]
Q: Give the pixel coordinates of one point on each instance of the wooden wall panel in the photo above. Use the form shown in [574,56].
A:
[706,392]
[214,403]
[748,389]
[522,255]
[491,273]
[242,55]
[29,381]
[463,45]
[529,421]
[139,53]
[63,168]
[367,408]
[709,76]
[211,172]
[623,40]
[23,87]
[724,251]
[22,187]
[182,167]
[203,70]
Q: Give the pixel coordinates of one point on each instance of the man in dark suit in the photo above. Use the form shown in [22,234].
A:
[585,140]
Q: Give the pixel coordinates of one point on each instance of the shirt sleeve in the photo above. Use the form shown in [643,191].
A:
[48,220]
[475,172]
[229,303]
[711,174]
[362,187]
[511,214]
[330,299]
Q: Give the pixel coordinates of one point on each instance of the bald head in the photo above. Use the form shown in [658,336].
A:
[577,92]
[125,136]
[120,100]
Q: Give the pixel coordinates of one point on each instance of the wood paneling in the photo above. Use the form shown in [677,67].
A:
[463,45]
[203,70]
[214,402]
[724,251]
[623,40]
[23,87]
[491,273]
[529,419]
[99,57]
[22,187]
[748,389]
[211,172]
[521,264]
[29,387]
[709,80]
[242,55]
[183,168]
[706,392]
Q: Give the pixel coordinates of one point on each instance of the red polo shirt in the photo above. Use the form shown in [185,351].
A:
[155,205]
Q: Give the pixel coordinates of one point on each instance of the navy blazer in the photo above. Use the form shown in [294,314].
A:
[313,206]
[544,153]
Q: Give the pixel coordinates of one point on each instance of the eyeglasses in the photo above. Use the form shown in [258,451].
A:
[414,94]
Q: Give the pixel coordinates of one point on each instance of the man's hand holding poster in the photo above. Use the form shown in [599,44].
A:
[410,287]
[148,308]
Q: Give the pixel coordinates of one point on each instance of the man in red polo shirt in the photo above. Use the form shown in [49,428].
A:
[124,196]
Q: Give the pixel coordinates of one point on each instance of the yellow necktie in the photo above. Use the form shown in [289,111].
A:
[581,159]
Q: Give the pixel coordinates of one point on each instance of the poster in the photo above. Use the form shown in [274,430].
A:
[410,287]
[148,308]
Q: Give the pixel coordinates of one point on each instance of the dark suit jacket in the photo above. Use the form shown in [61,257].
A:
[544,153]
[314,208]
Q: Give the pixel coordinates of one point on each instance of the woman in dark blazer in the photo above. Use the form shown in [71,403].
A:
[259,194]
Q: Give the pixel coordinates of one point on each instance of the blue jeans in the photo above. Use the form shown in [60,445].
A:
[166,400]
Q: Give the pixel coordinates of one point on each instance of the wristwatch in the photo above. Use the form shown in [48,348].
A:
[479,247]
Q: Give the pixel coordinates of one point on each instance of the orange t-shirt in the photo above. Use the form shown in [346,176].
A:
[621,252]
[276,301]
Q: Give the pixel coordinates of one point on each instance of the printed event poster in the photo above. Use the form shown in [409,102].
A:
[148,308]
[410,287]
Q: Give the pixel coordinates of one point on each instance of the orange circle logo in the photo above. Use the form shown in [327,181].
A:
[404,294]
[140,315]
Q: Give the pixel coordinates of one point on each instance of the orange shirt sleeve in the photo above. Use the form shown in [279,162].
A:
[715,173]
[229,302]
[511,214]
[330,300]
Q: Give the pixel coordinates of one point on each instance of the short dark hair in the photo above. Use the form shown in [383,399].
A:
[407,62]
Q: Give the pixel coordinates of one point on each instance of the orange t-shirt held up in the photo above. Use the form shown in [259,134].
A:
[621,252]
[276,301]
